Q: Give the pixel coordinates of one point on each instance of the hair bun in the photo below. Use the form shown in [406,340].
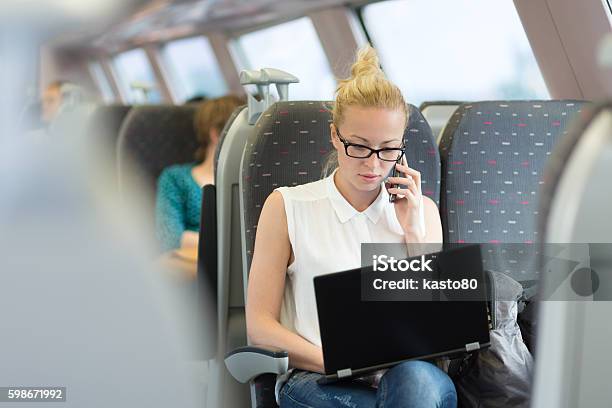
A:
[367,86]
[367,63]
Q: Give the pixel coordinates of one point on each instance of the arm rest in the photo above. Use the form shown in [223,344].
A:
[246,363]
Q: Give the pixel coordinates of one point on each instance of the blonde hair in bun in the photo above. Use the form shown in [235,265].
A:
[367,87]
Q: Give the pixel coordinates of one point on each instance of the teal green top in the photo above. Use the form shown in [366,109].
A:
[178,206]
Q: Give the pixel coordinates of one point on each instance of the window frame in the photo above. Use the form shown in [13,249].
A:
[359,11]
[96,80]
[126,93]
[174,84]
[241,60]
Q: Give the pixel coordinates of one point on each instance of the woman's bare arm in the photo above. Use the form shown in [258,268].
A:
[266,288]
[189,239]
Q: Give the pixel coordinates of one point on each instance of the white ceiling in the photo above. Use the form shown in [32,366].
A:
[151,20]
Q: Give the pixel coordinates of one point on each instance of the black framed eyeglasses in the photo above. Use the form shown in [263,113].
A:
[358,151]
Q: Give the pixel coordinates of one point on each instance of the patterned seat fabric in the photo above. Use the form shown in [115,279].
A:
[156,137]
[561,155]
[553,172]
[422,153]
[291,143]
[493,156]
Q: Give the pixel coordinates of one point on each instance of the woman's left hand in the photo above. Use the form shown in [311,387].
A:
[408,201]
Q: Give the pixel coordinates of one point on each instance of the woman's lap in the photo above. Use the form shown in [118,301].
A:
[416,384]
[302,390]
[410,384]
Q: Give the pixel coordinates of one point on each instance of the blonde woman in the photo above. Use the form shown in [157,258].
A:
[318,228]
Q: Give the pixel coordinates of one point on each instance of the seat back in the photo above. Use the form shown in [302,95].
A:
[208,247]
[105,123]
[290,146]
[437,114]
[230,288]
[574,211]
[493,155]
[151,139]
[223,389]
[229,283]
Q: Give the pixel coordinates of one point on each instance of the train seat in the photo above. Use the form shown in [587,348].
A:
[289,147]
[151,139]
[493,157]
[223,250]
[208,244]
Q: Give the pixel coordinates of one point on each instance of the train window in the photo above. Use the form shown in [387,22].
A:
[301,56]
[193,67]
[136,78]
[459,50]
[101,81]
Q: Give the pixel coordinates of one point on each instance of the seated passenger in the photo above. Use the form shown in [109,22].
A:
[179,189]
[318,228]
[51,101]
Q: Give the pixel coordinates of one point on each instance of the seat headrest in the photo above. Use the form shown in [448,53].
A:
[288,147]
[493,156]
[156,137]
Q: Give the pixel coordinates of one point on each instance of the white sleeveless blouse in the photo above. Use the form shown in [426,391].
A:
[326,234]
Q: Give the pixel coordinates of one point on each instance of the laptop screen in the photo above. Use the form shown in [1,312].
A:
[360,334]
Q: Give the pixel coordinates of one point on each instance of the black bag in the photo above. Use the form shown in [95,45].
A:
[499,376]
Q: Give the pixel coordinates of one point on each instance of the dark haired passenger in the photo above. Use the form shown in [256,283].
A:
[179,189]
[196,99]
[318,228]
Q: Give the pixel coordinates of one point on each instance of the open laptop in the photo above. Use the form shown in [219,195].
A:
[363,336]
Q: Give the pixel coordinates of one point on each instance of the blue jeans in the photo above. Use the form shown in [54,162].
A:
[414,384]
